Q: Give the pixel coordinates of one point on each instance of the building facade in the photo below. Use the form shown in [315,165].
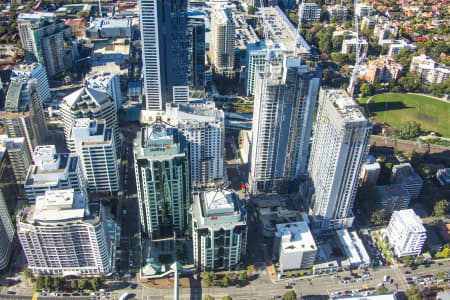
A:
[337,12]
[222,42]
[93,142]
[24,114]
[294,246]
[349,46]
[61,235]
[393,197]
[106,82]
[161,161]
[7,233]
[34,70]
[285,98]
[341,136]
[53,171]
[203,126]
[43,35]
[311,13]
[196,53]
[93,104]
[219,230]
[19,155]
[404,174]
[163,27]
[406,233]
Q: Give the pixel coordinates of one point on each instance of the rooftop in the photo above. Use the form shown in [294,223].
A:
[9,143]
[345,105]
[87,98]
[353,247]
[159,141]
[405,174]
[25,67]
[393,190]
[296,237]
[58,207]
[410,220]
[282,31]
[91,131]
[218,202]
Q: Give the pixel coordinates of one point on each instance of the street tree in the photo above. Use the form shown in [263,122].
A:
[290,296]
[381,290]
[440,208]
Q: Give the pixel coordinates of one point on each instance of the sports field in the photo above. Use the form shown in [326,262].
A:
[397,109]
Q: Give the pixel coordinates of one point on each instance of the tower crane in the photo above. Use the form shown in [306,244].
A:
[301,7]
[358,59]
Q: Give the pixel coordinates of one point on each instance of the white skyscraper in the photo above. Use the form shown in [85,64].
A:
[34,70]
[6,234]
[406,233]
[108,83]
[340,140]
[53,171]
[93,141]
[62,235]
[285,97]
[203,126]
[222,41]
[93,104]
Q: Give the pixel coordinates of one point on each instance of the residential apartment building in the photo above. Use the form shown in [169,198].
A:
[203,127]
[34,70]
[53,171]
[256,60]
[106,82]
[363,9]
[384,68]
[393,197]
[398,45]
[294,246]
[341,136]
[93,142]
[163,26]
[421,60]
[432,75]
[404,174]
[369,22]
[161,159]
[406,233]
[311,12]
[196,52]
[24,115]
[219,230]
[337,12]
[18,154]
[7,233]
[89,103]
[221,50]
[383,31]
[43,36]
[349,46]
[285,97]
[62,235]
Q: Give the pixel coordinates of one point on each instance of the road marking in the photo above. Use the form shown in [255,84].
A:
[35,296]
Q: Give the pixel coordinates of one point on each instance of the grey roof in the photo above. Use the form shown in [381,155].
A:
[12,102]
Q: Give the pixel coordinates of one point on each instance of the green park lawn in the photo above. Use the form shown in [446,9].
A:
[397,109]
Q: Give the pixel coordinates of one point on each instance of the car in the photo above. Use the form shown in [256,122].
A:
[11,292]
[439,264]
[288,286]
[276,297]
[428,276]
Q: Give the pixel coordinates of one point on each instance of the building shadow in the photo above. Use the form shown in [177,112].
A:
[385,106]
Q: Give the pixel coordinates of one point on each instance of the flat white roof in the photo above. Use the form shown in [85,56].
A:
[345,105]
[353,247]
[59,206]
[409,218]
[296,237]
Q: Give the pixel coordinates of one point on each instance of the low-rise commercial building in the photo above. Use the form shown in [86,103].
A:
[60,235]
[354,248]
[109,28]
[406,233]
[294,246]
[219,230]
[393,197]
